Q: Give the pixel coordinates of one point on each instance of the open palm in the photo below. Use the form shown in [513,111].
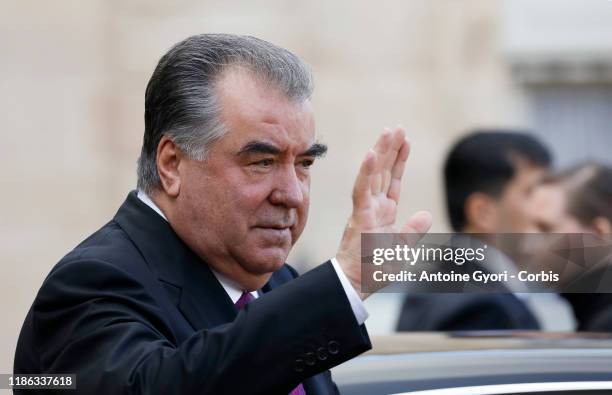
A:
[375,199]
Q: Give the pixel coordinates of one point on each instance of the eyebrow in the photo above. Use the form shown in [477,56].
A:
[316,150]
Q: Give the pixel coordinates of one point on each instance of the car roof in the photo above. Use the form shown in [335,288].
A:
[425,361]
[416,342]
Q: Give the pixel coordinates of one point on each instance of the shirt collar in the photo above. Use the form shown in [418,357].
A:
[147,200]
[231,288]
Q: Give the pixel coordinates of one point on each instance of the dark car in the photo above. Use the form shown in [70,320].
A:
[481,363]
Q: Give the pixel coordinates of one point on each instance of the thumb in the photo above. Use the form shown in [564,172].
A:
[418,223]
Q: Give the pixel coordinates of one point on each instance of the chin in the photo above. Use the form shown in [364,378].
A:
[264,262]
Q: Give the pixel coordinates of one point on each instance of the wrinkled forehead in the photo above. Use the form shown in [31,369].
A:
[252,109]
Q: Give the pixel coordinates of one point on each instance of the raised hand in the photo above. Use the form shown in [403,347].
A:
[375,199]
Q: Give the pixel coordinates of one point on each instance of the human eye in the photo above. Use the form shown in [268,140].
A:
[306,163]
[265,163]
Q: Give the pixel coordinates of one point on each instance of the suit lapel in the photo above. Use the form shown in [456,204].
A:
[202,301]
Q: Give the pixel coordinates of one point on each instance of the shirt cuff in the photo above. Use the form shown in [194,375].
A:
[361,314]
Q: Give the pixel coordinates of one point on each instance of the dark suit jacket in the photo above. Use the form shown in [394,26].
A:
[497,309]
[593,311]
[132,310]
[455,312]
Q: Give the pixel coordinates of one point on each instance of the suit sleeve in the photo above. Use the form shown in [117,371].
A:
[95,320]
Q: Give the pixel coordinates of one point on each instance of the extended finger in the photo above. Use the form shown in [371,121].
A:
[362,192]
[390,157]
[387,162]
[419,223]
[380,148]
[397,171]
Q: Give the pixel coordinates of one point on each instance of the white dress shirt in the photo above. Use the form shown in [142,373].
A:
[234,291]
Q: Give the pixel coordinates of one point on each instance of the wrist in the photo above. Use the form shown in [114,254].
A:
[353,276]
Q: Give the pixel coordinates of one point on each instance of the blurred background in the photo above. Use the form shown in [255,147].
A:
[73,75]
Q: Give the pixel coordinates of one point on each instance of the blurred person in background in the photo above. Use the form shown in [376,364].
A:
[579,200]
[489,177]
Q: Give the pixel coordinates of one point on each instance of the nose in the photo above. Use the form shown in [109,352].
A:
[288,188]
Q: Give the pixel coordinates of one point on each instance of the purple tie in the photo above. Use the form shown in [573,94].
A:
[245,298]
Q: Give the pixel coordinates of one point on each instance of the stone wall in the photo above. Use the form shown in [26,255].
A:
[73,75]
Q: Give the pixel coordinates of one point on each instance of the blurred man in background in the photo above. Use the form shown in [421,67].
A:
[489,177]
[579,200]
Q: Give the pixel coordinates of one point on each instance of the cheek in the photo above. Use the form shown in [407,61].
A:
[302,214]
[221,205]
[244,202]
[519,207]
[306,194]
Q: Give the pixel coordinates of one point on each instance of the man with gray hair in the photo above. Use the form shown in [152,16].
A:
[186,289]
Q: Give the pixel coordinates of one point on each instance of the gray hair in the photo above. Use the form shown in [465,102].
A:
[180,98]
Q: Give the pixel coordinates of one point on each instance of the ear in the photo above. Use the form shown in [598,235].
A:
[168,159]
[481,213]
[602,226]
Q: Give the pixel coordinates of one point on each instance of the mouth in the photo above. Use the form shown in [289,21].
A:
[275,231]
[274,228]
